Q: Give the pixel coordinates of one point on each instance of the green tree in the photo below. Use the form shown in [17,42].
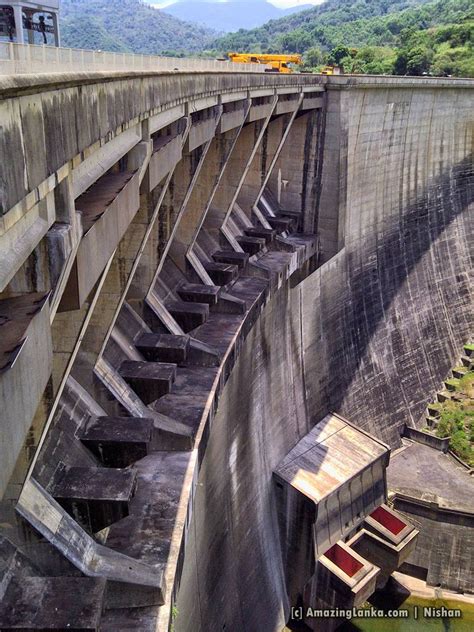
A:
[338,54]
[419,60]
[313,57]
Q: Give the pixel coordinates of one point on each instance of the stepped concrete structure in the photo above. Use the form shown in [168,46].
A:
[224,293]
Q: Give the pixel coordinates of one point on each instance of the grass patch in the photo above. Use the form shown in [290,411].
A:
[456,418]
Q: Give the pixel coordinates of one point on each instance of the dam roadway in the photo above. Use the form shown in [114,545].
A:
[201,273]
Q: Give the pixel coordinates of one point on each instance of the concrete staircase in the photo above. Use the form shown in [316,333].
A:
[448,392]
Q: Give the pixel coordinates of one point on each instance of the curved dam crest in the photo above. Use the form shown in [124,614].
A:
[217,265]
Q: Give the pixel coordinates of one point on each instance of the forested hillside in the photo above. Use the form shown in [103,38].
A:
[372,36]
[128,25]
[319,25]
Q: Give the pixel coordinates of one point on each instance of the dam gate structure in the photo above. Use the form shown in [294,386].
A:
[223,295]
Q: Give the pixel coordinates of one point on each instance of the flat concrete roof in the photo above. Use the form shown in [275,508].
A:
[424,473]
[329,456]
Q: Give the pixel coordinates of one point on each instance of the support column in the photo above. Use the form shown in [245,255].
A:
[57,39]
[31,34]
[18,13]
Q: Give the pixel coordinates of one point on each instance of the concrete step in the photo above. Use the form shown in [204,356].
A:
[432,422]
[265,233]
[443,396]
[460,371]
[188,315]
[469,350]
[468,361]
[149,380]
[13,564]
[281,224]
[199,293]
[251,245]
[433,409]
[52,603]
[240,259]
[451,384]
[202,354]
[163,347]
[184,407]
[94,496]
[228,304]
[221,273]
[296,215]
[117,441]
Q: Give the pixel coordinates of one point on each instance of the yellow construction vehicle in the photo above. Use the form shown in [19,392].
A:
[278,63]
[331,70]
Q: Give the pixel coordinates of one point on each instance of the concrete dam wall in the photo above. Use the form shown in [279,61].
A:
[370,334]
[206,277]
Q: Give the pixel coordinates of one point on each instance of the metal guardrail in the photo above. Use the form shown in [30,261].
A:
[30,59]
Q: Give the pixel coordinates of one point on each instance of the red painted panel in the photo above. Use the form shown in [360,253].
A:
[344,560]
[388,520]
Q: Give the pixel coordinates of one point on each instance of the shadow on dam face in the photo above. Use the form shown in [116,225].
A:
[375,289]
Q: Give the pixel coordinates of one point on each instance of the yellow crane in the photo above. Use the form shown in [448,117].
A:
[279,63]
[331,70]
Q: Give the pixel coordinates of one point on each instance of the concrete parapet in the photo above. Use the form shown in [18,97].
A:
[426,438]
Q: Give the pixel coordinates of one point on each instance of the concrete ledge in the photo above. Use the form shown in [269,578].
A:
[202,130]
[101,238]
[164,159]
[27,365]
[382,81]
[286,105]
[103,158]
[312,103]
[14,84]
[347,573]
[427,439]
[232,119]
[386,555]
[260,111]
[432,508]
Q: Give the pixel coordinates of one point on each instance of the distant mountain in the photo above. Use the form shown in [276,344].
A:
[231,15]
[128,26]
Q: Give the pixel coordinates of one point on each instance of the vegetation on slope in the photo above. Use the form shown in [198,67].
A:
[128,26]
[372,36]
[456,419]
[319,26]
